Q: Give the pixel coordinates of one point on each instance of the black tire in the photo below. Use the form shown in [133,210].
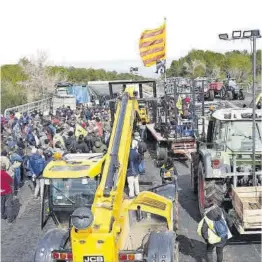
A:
[209,189]
[215,190]
[161,245]
[229,95]
[211,95]
[53,239]
[241,95]
[145,136]
[236,96]
[194,171]
[223,92]
[161,152]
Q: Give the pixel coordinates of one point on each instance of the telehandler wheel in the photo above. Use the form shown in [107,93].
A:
[211,95]
[53,239]
[161,152]
[209,189]
[161,245]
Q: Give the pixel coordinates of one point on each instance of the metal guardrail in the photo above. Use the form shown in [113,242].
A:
[40,105]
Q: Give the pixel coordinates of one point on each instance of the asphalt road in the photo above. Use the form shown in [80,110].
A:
[19,240]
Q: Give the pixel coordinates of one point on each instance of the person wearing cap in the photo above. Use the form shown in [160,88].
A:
[133,170]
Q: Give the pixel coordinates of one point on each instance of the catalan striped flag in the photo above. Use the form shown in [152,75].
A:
[152,45]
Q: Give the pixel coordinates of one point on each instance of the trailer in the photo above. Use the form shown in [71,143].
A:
[172,133]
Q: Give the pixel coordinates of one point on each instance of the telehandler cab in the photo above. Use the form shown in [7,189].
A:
[116,228]
[70,182]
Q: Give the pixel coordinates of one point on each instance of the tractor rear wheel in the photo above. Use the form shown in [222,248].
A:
[209,189]
[194,171]
[211,95]
[223,93]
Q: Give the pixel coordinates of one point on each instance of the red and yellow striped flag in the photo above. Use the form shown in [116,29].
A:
[152,45]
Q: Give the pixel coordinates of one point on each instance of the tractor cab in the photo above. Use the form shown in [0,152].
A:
[70,182]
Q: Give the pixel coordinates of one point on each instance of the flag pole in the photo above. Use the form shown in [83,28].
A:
[165,80]
[165,47]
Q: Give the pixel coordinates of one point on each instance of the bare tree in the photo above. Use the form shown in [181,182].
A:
[215,72]
[40,82]
[239,74]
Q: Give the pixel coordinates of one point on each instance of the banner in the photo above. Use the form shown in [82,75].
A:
[80,131]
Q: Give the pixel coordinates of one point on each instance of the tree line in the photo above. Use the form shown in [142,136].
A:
[216,65]
[33,79]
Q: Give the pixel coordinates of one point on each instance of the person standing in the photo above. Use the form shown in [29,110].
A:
[141,148]
[6,195]
[37,164]
[133,170]
[214,228]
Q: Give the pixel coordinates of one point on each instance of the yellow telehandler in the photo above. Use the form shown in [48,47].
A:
[116,228]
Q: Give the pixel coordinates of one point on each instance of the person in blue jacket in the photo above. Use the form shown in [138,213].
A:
[37,165]
[16,162]
[133,170]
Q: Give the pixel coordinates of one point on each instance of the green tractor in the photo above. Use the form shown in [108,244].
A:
[223,163]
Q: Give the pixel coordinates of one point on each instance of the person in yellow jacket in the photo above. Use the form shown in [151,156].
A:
[214,228]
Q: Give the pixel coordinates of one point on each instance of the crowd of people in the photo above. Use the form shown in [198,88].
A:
[29,141]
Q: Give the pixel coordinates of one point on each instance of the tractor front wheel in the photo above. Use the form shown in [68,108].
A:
[211,95]
[209,189]
[161,152]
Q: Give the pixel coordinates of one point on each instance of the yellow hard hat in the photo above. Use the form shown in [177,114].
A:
[57,156]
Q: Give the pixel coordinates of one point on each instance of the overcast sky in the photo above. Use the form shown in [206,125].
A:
[106,33]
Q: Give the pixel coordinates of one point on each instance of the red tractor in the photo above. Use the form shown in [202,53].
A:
[216,86]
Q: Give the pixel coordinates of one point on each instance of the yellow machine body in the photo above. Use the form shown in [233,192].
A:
[143,113]
[109,230]
[75,166]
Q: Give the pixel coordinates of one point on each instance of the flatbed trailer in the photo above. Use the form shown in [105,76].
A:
[177,145]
